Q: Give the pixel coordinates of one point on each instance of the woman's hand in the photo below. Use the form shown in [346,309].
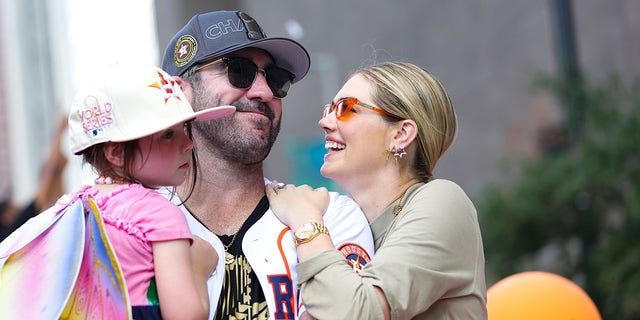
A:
[297,205]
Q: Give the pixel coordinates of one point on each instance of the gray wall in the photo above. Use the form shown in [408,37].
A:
[486,52]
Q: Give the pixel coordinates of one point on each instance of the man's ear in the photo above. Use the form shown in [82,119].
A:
[114,152]
[185,86]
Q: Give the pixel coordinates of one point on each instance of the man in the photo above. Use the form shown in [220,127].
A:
[224,58]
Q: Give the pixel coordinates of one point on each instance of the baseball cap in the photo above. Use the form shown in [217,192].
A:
[210,35]
[128,103]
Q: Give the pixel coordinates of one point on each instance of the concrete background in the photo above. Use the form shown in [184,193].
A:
[486,52]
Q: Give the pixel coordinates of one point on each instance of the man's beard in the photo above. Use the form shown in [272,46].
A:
[227,137]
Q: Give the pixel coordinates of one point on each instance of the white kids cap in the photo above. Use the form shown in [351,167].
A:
[131,103]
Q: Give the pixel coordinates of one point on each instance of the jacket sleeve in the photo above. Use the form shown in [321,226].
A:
[328,278]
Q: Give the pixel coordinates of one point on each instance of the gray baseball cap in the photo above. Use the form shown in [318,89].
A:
[210,35]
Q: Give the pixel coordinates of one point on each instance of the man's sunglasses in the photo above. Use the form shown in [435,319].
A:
[242,72]
[344,105]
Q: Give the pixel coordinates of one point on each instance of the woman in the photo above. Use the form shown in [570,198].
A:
[385,132]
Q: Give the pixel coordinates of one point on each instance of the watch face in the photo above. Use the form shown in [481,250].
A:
[305,231]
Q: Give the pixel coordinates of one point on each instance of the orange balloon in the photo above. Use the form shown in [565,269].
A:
[536,295]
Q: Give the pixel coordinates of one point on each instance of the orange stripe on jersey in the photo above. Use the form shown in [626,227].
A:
[284,257]
[286,265]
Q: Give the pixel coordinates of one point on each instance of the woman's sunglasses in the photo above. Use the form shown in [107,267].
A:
[242,72]
[344,105]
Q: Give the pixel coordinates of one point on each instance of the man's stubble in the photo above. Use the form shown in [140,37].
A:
[227,137]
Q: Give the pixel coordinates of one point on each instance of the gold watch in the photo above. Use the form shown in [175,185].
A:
[308,231]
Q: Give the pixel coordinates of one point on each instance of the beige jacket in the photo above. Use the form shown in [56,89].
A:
[429,262]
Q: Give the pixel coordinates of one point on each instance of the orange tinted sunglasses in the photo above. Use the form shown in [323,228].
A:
[344,105]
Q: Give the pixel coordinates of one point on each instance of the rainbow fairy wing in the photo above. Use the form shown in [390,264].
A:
[26,233]
[62,266]
[100,291]
[40,270]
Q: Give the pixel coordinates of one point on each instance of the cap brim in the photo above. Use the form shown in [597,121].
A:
[208,114]
[214,113]
[288,54]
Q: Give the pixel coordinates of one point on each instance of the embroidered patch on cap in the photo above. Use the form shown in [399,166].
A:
[96,117]
[166,83]
[356,256]
[185,50]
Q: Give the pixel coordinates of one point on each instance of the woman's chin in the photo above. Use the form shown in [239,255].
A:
[329,171]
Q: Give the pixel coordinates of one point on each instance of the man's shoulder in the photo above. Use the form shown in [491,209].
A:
[342,207]
[339,200]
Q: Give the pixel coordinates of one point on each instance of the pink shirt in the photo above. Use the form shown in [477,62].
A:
[135,217]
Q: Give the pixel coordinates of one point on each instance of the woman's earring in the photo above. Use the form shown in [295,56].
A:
[397,152]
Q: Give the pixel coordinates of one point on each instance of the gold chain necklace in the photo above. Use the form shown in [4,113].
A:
[398,207]
[228,257]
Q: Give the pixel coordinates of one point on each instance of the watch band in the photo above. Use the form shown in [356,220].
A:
[309,231]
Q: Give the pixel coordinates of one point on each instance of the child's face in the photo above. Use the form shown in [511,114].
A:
[164,158]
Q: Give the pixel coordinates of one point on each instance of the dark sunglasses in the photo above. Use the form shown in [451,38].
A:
[242,72]
[344,105]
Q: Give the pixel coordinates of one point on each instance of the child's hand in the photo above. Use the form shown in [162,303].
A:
[203,258]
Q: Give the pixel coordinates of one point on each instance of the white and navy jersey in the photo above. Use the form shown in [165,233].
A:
[270,249]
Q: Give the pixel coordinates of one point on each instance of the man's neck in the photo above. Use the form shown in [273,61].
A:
[224,197]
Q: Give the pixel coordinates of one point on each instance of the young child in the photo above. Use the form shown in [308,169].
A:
[134,130]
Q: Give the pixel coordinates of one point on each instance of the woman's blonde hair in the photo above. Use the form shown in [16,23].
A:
[410,92]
